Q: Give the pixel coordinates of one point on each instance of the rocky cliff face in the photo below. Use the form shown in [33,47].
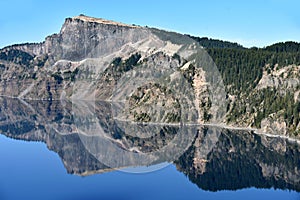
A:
[96,59]
[154,75]
[273,105]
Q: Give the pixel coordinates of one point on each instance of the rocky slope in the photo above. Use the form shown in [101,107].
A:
[262,85]
[273,105]
[96,59]
[155,76]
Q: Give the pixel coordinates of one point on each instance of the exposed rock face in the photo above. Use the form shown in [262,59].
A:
[34,49]
[154,75]
[287,82]
[273,106]
[97,59]
[284,78]
[274,125]
[82,38]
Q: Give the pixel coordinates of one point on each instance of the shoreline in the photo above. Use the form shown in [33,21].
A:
[220,125]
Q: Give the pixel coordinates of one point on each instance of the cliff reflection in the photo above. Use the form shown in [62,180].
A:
[90,140]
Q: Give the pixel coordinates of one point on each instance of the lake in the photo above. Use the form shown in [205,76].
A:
[62,150]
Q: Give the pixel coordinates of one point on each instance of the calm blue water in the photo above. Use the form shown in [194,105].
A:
[28,170]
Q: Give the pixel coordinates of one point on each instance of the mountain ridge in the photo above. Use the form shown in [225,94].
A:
[213,41]
[80,62]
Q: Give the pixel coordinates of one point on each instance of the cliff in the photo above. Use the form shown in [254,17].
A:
[96,59]
[158,76]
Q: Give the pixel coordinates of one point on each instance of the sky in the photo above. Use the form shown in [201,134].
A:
[250,23]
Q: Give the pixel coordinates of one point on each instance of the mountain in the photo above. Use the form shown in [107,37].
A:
[158,76]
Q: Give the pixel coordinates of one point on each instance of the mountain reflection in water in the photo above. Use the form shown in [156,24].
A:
[89,140]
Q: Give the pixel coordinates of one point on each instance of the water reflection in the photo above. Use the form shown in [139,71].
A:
[90,140]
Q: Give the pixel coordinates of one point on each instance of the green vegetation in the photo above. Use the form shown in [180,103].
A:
[189,73]
[269,101]
[70,75]
[263,103]
[213,43]
[58,78]
[118,66]
[242,69]
[173,117]
[16,56]
[284,47]
[142,117]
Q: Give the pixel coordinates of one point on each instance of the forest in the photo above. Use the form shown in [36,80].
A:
[242,68]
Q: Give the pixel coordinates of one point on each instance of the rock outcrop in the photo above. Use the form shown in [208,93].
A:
[96,59]
[154,75]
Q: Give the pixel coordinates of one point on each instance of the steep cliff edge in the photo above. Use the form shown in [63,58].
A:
[163,77]
[97,59]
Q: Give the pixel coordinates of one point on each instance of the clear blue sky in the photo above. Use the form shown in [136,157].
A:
[251,23]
